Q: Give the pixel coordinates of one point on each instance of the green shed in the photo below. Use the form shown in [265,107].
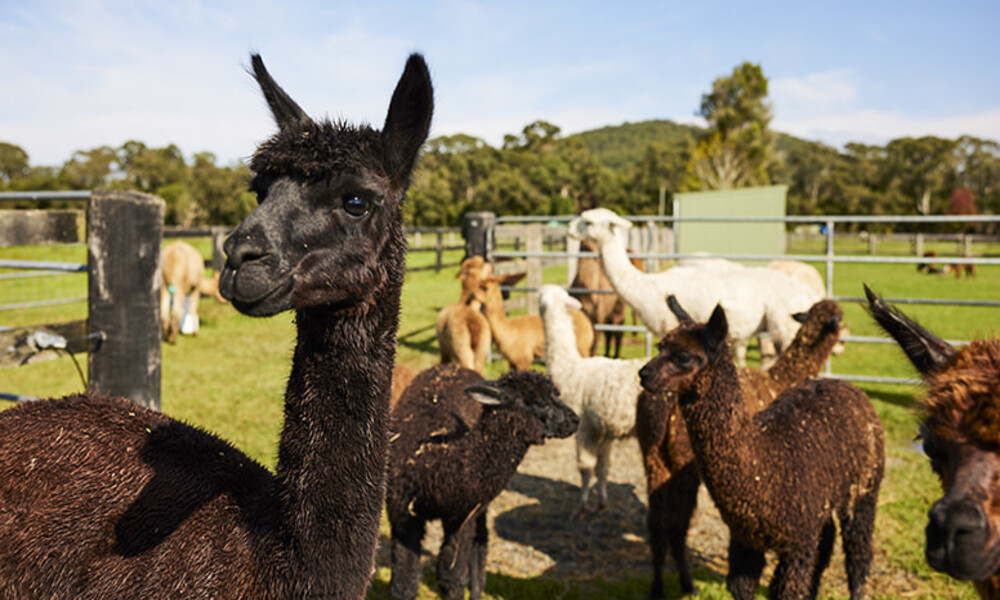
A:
[752,237]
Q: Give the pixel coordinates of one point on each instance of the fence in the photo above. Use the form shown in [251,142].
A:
[121,332]
[654,244]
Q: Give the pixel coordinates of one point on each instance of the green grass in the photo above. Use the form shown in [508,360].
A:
[230,380]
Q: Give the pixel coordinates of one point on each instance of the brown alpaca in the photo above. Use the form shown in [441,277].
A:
[672,478]
[521,339]
[601,308]
[473,271]
[183,275]
[961,436]
[102,498]
[463,333]
[777,476]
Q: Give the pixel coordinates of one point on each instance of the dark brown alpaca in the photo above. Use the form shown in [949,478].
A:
[458,440]
[961,436]
[100,498]
[777,476]
[672,477]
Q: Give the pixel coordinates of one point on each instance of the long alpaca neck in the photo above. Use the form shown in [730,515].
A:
[503,332]
[628,281]
[723,436]
[801,362]
[332,453]
[561,355]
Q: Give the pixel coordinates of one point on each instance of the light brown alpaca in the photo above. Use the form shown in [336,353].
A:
[463,333]
[521,339]
[961,436]
[183,279]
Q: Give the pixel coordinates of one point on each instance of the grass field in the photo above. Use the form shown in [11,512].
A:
[230,380]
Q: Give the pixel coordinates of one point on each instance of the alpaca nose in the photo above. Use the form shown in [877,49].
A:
[956,534]
[245,246]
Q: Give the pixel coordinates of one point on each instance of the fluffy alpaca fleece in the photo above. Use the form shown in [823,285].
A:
[961,434]
[601,390]
[458,440]
[755,299]
[672,477]
[521,339]
[779,476]
[104,499]
[464,336]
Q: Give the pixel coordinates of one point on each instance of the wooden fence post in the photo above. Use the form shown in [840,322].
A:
[218,254]
[124,233]
[477,229]
[533,243]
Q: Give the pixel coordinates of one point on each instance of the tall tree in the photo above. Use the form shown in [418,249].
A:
[13,163]
[739,148]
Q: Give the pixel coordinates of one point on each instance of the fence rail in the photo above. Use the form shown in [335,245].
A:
[533,254]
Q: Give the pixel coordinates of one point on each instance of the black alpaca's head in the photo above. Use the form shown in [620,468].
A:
[327,227]
[686,350]
[533,394]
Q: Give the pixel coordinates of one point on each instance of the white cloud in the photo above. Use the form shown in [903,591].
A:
[878,127]
[818,91]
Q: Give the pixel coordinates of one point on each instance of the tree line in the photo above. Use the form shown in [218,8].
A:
[632,168]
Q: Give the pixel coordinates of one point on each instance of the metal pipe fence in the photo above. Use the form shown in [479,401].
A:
[828,257]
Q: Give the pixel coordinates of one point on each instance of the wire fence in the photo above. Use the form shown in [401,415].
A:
[828,257]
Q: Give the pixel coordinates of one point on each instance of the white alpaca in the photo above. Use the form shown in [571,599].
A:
[755,299]
[602,391]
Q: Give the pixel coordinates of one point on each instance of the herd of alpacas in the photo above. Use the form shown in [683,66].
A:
[101,498]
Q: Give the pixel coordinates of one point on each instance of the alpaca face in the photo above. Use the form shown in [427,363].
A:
[963,530]
[599,224]
[535,394]
[961,433]
[821,321]
[329,199]
[685,351]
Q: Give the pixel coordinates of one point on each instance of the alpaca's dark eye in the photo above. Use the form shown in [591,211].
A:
[356,206]
[684,359]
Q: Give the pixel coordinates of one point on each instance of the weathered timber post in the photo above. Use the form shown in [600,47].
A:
[124,233]
[477,229]
[533,240]
[219,234]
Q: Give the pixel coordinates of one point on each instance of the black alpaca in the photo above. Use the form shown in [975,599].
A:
[458,440]
[100,498]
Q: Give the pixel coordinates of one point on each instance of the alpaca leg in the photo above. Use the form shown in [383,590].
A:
[740,347]
[193,301]
[453,559]
[406,540]
[617,337]
[682,493]
[857,526]
[794,574]
[165,310]
[826,538]
[745,567]
[602,468]
[176,307]
[477,568]
[585,461]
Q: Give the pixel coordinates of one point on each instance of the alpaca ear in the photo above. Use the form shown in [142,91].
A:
[801,317]
[621,222]
[572,302]
[926,351]
[676,308]
[715,332]
[409,119]
[512,278]
[485,393]
[285,111]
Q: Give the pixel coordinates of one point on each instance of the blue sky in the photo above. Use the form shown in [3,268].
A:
[78,74]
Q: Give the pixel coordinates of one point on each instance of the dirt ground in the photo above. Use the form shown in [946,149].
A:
[532,532]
